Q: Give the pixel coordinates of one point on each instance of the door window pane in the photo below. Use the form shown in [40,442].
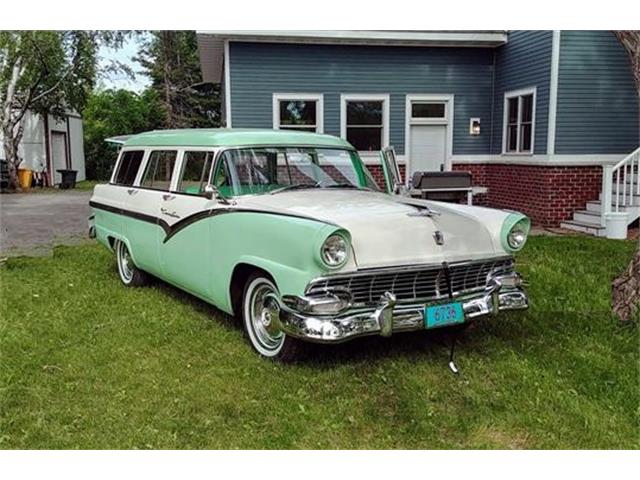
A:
[427,110]
[159,169]
[128,167]
[195,172]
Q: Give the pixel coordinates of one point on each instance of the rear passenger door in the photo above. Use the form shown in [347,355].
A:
[149,231]
[185,252]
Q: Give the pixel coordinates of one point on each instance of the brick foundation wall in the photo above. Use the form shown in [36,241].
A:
[548,195]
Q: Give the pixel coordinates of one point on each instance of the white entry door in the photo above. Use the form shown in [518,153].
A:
[58,154]
[428,148]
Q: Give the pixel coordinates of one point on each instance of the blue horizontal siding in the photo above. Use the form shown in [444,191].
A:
[525,61]
[598,108]
[258,70]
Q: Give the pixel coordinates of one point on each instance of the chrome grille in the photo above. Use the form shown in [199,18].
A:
[412,283]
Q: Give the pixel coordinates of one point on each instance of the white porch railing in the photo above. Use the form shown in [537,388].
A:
[625,175]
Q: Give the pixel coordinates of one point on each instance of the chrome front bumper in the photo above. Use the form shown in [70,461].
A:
[390,317]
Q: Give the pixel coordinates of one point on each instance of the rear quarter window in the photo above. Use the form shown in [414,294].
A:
[128,167]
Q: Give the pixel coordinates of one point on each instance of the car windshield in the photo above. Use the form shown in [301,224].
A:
[249,171]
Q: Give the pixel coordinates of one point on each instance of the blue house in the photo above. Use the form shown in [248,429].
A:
[547,121]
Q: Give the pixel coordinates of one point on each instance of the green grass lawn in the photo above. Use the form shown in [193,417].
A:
[88,363]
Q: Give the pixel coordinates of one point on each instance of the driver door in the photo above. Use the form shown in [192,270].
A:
[391,171]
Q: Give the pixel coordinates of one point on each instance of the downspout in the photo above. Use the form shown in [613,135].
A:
[47,149]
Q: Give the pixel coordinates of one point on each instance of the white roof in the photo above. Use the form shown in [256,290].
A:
[211,42]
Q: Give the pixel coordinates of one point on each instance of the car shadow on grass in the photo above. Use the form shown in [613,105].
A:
[434,344]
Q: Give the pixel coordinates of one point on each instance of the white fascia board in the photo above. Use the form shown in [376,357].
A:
[482,38]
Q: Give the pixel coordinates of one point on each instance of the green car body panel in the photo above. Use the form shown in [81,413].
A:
[285,247]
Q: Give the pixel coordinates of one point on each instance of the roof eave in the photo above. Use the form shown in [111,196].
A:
[211,42]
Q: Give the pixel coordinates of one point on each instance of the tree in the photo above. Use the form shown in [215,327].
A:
[115,112]
[170,59]
[626,288]
[44,72]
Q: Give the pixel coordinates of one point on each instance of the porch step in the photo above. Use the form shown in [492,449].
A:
[589,228]
[585,216]
[595,206]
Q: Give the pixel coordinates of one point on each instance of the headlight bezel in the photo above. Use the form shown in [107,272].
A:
[516,225]
[346,247]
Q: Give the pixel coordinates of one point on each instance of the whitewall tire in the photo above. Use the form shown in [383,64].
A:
[130,275]
[259,316]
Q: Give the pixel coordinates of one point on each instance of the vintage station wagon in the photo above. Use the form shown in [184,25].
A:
[289,231]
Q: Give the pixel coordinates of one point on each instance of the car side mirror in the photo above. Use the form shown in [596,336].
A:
[211,192]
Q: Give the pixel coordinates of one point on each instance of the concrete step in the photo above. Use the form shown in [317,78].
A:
[589,228]
[585,216]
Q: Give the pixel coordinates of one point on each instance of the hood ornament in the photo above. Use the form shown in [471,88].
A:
[423,212]
[438,236]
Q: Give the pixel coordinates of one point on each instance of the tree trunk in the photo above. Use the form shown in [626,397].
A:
[625,293]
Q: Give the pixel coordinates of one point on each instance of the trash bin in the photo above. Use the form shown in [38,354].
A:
[24,178]
[68,178]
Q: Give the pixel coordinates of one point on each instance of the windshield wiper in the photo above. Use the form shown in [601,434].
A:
[347,185]
[294,187]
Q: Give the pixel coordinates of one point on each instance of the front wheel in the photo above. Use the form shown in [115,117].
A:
[259,314]
[130,275]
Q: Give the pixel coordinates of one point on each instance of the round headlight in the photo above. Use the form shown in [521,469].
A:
[334,251]
[517,236]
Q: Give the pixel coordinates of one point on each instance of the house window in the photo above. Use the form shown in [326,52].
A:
[519,121]
[365,121]
[301,112]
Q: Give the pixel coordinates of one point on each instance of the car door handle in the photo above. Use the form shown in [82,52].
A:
[167,197]
[132,191]
[166,212]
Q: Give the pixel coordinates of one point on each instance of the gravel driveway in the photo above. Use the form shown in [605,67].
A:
[33,223]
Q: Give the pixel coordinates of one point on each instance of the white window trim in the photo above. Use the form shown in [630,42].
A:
[358,97]
[448,121]
[306,97]
[505,116]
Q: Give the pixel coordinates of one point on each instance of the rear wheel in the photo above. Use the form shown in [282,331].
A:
[130,275]
[260,315]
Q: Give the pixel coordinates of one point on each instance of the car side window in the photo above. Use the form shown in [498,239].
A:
[157,175]
[128,167]
[196,167]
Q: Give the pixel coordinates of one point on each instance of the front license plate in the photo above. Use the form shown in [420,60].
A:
[443,315]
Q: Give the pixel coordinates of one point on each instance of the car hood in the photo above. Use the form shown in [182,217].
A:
[385,229]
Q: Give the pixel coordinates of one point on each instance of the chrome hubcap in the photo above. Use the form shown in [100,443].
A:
[265,318]
[126,264]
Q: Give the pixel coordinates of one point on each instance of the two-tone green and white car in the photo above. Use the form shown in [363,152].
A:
[289,231]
